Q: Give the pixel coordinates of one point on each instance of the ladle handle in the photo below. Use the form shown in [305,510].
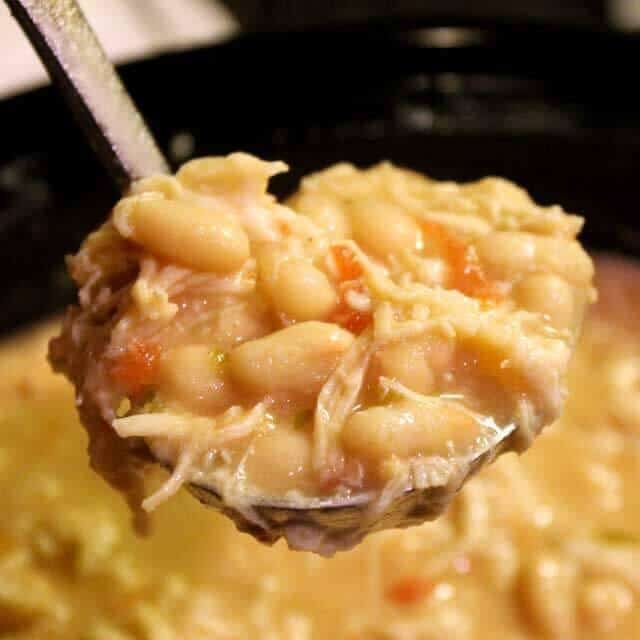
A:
[80,69]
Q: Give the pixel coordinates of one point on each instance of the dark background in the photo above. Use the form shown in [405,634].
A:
[546,97]
[293,14]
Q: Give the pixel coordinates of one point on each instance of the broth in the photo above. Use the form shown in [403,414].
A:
[542,546]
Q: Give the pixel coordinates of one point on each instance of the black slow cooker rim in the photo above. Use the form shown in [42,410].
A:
[369,94]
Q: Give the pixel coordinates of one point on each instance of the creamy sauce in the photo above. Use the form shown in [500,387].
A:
[542,546]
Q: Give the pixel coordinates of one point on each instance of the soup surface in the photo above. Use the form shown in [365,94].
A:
[381,332]
[546,545]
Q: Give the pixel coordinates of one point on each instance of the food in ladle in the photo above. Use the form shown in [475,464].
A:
[375,334]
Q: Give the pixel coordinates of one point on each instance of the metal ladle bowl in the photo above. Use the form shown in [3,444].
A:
[327,525]
[118,134]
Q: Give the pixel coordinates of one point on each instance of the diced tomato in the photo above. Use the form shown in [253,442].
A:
[350,319]
[345,315]
[409,591]
[471,279]
[135,369]
[437,239]
[349,272]
[346,264]
[467,274]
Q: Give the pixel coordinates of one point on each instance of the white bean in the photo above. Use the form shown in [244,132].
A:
[407,429]
[510,253]
[280,460]
[294,286]
[407,363]
[297,359]
[507,253]
[302,292]
[383,228]
[196,237]
[191,376]
[549,295]
[214,175]
[237,173]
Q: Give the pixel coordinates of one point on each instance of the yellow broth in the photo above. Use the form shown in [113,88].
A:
[542,546]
